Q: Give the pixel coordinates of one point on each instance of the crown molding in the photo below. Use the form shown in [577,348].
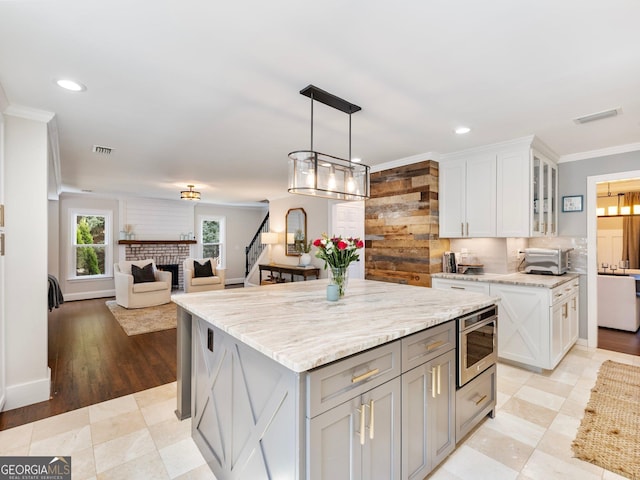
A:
[29,113]
[603,152]
[401,162]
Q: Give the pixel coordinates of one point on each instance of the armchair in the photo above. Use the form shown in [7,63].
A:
[138,295]
[202,284]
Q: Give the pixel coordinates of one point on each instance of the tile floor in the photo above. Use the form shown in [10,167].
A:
[139,437]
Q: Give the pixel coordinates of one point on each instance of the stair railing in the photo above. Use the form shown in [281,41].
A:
[255,248]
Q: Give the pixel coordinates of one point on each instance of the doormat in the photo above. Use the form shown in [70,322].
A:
[144,320]
[609,434]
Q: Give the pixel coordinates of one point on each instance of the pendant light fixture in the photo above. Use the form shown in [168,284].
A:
[318,174]
[190,194]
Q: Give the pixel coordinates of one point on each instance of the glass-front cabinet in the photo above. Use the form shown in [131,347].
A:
[544,193]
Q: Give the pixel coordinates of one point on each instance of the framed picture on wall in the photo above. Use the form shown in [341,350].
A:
[572,203]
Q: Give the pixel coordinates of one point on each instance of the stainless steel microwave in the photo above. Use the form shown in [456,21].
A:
[549,261]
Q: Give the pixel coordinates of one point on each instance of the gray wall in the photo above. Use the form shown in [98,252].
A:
[573,181]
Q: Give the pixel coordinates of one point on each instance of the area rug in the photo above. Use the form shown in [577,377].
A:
[144,320]
[609,435]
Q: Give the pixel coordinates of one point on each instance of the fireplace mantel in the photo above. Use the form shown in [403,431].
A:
[157,242]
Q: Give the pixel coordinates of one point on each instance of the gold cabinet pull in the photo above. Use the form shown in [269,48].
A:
[435,345]
[565,310]
[371,434]
[364,376]
[438,379]
[362,424]
[433,382]
[482,399]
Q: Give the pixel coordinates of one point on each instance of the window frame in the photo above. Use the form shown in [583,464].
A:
[222,238]
[74,213]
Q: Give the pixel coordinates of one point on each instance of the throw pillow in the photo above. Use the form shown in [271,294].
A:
[202,270]
[144,274]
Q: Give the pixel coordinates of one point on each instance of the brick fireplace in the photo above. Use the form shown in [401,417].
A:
[168,253]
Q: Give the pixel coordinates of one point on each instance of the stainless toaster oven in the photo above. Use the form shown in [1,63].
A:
[549,261]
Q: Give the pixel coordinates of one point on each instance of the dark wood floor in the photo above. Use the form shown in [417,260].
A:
[619,340]
[93,360]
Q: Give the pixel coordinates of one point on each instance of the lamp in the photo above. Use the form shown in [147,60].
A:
[190,194]
[269,238]
[318,174]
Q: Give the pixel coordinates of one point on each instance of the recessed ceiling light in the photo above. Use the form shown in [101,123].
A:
[70,85]
[462,130]
[356,160]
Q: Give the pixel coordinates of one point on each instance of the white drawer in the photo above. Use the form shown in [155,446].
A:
[561,292]
[342,380]
[423,346]
[466,285]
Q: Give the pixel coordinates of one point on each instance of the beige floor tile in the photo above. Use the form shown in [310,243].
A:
[117,426]
[529,411]
[170,431]
[112,408]
[565,424]
[63,444]
[57,424]
[159,412]
[607,475]
[123,449]
[573,408]
[16,440]
[83,465]
[508,387]
[503,448]
[540,397]
[145,467]
[549,386]
[181,457]
[516,427]
[512,373]
[541,465]
[203,472]
[468,463]
[157,394]
[443,474]
[559,446]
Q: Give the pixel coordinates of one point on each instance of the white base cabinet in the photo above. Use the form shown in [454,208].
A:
[537,326]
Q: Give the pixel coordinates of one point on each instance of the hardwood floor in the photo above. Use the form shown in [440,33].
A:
[619,340]
[93,360]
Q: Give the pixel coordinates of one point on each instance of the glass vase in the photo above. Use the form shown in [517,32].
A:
[339,276]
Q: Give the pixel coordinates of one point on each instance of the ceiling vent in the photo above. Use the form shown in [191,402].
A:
[102,150]
[592,117]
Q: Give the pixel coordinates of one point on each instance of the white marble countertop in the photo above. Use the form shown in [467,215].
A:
[525,279]
[295,325]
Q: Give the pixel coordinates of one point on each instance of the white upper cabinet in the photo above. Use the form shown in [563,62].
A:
[502,190]
[468,196]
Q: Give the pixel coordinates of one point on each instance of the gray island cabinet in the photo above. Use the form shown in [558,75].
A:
[282,384]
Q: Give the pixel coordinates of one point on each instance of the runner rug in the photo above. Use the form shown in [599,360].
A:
[144,320]
[609,434]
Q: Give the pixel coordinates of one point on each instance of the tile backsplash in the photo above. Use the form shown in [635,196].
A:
[500,255]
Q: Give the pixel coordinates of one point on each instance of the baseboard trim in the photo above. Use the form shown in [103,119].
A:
[70,297]
[28,393]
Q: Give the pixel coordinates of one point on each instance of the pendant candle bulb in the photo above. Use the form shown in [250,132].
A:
[318,174]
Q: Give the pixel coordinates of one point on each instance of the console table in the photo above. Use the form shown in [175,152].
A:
[290,269]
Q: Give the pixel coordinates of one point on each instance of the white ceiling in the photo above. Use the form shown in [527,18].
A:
[207,92]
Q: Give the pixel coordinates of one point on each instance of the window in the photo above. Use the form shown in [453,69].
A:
[212,235]
[91,244]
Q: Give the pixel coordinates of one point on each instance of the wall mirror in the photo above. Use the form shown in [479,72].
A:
[296,230]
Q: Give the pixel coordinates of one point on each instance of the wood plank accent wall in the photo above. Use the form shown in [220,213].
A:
[401,225]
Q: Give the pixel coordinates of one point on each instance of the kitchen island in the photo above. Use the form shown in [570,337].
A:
[281,383]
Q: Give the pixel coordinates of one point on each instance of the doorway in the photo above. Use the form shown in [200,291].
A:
[592,247]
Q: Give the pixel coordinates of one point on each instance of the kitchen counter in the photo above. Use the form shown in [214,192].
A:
[296,326]
[281,383]
[525,279]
